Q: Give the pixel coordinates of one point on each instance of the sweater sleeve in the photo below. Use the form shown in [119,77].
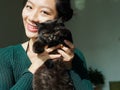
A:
[23,77]
[79,72]
[7,76]
[25,82]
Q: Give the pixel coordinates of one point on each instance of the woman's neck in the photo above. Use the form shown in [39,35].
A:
[30,46]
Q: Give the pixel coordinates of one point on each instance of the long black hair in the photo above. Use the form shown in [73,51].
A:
[64,9]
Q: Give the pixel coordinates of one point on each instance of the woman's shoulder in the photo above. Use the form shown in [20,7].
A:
[9,50]
[6,54]
[6,49]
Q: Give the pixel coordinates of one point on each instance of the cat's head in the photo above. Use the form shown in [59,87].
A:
[52,33]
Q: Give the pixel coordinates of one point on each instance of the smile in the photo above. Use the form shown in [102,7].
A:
[32,28]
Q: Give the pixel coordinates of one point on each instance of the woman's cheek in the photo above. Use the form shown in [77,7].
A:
[45,18]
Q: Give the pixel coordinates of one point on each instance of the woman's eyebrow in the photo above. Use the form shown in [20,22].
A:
[42,6]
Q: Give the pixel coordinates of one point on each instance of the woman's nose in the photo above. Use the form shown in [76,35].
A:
[33,17]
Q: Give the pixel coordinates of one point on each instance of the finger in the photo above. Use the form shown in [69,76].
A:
[52,48]
[70,45]
[45,57]
[66,56]
[54,56]
[67,50]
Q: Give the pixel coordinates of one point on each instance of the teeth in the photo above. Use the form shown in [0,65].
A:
[33,27]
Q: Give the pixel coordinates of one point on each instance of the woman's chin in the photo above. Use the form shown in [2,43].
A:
[29,35]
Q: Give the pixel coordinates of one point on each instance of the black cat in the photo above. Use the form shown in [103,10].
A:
[52,75]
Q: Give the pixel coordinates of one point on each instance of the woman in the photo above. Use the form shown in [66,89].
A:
[18,63]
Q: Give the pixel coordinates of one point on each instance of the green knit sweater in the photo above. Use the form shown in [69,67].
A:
[14,74]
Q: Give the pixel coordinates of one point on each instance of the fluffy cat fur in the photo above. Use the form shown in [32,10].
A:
[52,75]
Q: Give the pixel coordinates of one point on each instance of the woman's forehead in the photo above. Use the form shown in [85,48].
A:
[44,3]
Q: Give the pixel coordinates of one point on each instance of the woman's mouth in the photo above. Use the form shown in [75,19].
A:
[32,28]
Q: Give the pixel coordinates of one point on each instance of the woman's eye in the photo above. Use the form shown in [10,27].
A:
[28,7]
[45,12]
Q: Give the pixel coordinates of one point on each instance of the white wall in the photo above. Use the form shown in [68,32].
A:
[96,31]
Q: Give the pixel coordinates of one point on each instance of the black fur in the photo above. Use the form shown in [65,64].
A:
[52,75]
[51,33]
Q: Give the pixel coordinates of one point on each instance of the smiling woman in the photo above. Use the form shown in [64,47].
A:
[35,12]
[19,63]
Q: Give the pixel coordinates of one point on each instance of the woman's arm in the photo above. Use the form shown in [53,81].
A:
[25,82]
[7,74]
[79,72]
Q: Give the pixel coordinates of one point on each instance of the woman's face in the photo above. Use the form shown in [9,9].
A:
[37,11]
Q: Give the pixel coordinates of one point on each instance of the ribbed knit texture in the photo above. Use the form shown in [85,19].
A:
[14,74]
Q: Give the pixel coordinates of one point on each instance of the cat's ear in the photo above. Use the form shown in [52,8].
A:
[60,20]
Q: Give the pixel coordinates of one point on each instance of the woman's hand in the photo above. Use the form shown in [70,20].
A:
[39,59]
[67,52]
